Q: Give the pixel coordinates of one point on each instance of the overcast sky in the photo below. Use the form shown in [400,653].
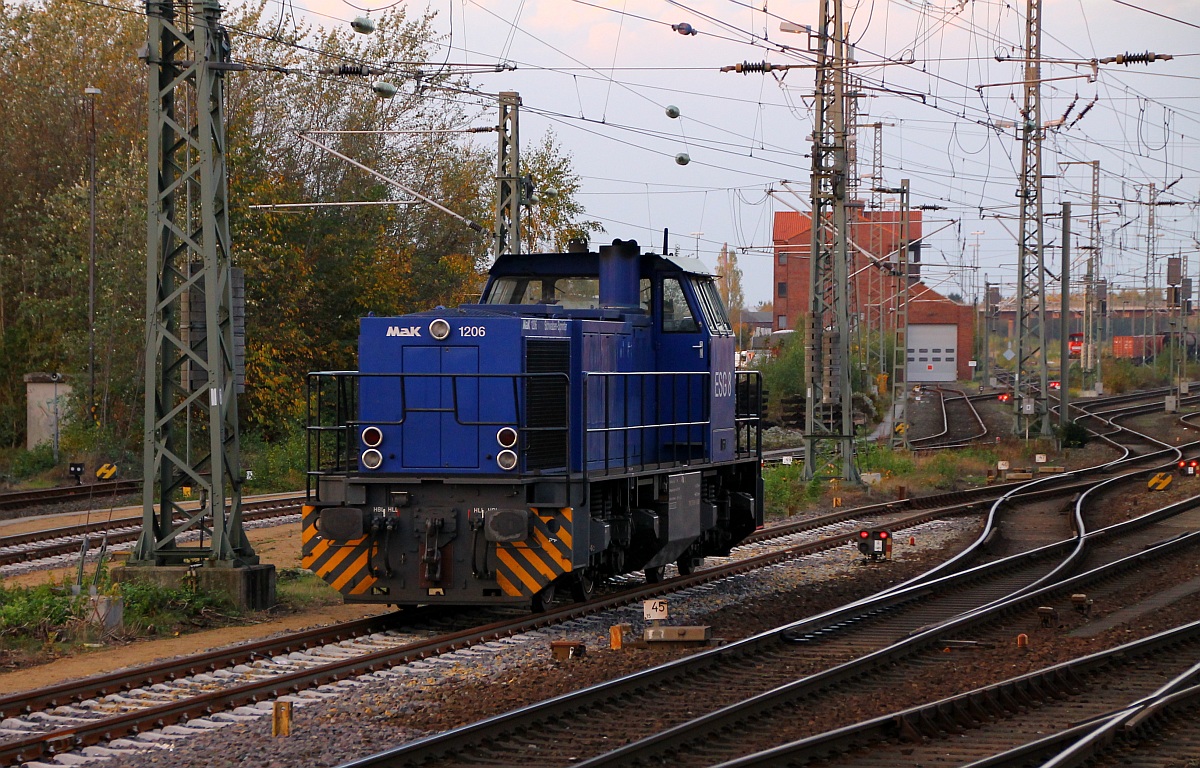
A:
[601,73]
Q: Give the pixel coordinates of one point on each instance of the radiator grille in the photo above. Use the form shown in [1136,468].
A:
[546,403]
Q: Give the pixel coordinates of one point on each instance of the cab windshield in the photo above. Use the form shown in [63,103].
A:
[569,292]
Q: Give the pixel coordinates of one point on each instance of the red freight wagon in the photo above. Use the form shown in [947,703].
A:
[1139,348]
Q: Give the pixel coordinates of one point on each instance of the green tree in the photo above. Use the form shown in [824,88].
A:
[309,274]
[48,54]
[557,217]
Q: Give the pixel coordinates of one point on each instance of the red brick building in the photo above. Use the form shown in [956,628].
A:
[941,331]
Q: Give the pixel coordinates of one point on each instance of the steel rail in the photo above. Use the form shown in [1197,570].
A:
[950,713]
[492,727]
[20,499]
[693,666]
[750,709]
[68,539]
[175,713]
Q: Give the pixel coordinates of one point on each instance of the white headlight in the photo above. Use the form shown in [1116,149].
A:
[371,458]
[507,437]
[506,459]
[439,329]
[372,436]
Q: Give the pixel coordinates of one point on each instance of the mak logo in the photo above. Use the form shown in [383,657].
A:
[412,330]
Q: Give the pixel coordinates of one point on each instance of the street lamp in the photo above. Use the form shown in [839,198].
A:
[91,93]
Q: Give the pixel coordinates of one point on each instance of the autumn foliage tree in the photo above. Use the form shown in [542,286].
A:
[729,285]
[311,272]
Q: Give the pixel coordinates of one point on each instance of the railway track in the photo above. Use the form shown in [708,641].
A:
[48,547]
[183,690]
[751,687]
[16,501]
[372,649]
[964,428]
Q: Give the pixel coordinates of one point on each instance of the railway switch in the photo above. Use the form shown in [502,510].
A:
[875,544]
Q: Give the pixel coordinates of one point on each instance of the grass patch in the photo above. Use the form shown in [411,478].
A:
[43,622]
[151,609]
[785,490]
[298,589]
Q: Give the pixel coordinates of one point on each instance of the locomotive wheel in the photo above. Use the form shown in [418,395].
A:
[583,586]
[654,575]
[543,599]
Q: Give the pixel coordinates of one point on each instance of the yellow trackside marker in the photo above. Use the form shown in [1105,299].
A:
[281,719]
[1160,481]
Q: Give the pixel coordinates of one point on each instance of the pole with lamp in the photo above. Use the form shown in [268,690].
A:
[91,93]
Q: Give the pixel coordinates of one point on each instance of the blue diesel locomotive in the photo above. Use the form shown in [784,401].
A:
[584,420]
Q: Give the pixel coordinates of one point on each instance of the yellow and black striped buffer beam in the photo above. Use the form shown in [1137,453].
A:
[345,566]
[525,567]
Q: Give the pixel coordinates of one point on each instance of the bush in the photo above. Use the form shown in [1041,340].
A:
[278,466]
[26,464]
[1073,435]
[153,608]
[38,613]
[785,489]
[783,374]
[882,459]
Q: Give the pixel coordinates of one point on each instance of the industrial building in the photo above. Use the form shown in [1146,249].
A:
[941,332]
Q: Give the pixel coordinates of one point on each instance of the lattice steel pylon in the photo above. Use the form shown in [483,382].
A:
[829,424]
[1030,403]
[508,178]
[191,431]
[900,337]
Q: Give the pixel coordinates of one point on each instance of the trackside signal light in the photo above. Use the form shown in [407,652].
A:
[875,545]
[1005,397]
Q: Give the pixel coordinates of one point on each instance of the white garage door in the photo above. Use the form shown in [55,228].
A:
[931,353]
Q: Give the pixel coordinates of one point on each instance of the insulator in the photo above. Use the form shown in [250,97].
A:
[384,90]
[1134,58]
[747,67]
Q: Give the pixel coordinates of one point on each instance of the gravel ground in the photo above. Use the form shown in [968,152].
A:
[367,715]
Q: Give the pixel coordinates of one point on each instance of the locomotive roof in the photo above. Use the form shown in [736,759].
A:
[588,262]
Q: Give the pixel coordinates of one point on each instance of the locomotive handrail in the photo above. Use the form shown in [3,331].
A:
[638,435]
[642,425]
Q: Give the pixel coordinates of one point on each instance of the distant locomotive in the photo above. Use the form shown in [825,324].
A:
[584,420]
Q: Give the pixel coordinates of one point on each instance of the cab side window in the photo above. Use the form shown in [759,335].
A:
[677,316]
[712,306]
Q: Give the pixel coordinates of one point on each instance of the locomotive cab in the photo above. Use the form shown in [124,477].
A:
[584,420]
